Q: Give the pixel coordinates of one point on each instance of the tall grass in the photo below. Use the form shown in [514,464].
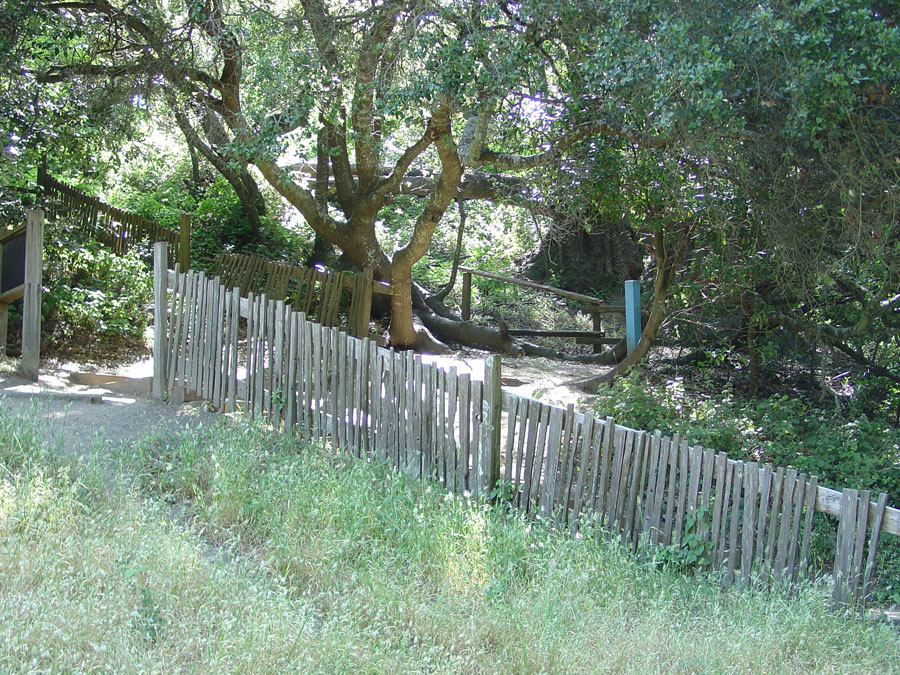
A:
[235,550]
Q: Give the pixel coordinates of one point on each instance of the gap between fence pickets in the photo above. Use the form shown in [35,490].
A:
[827,500]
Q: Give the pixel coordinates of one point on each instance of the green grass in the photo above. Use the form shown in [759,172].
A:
[236,550]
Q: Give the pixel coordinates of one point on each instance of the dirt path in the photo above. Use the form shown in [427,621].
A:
[84,415]
[84,405]
[534,377]
[122,411]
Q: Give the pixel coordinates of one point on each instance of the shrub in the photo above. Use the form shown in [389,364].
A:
[856,452]
[91,293]
[218,222]
[853,451]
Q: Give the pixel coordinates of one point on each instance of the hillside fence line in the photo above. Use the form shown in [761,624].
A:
[119,230]
[586,475]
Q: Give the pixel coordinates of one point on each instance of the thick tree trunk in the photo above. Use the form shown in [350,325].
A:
[403,333]
[243,184]
[252,201]
[449,327]
[195,188]
[463,332]
[587,259]
[322,253]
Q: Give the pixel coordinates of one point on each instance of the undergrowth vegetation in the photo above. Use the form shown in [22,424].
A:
[163,189]
[95,304]
[855,450]
[93,293]
[233,549]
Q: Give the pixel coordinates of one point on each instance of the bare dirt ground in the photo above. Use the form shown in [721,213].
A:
[82,411]
[82,416]
[534,377]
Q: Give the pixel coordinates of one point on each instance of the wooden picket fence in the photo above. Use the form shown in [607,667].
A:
[589,476]
[328,297]
[112,227]
[749,521]
[319,381]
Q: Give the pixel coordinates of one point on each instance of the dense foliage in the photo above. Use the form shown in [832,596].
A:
[95,303]
[858,449]
[852,449]
[162,188]
[747,146]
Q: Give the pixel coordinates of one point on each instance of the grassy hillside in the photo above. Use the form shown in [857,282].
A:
[234,550]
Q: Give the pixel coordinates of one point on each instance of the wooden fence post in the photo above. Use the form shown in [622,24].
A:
[4,324]
[31,309]
[361,311]
[852,568]
[160,266]
[597,324]
[632,314]
[466,303]
[489,460]
[184,243]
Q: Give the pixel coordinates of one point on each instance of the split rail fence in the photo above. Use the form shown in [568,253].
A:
[590,476]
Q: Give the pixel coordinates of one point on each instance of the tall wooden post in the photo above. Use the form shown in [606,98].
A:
[184,243]
[467,296]
[489,459]
[597,323]
[4,326]
[632,314]
[160,265]
[31,304]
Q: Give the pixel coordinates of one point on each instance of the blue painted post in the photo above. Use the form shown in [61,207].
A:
[632,314]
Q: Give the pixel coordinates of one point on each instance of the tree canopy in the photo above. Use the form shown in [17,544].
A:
[750,148]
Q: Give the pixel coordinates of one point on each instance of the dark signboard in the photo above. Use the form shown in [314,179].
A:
[12,264]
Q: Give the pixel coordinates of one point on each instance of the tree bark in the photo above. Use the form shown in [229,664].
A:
[403,334]
[252,201]
[463,332]
[750,323]
[454,268]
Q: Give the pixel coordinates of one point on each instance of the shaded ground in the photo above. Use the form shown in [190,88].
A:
[82,416]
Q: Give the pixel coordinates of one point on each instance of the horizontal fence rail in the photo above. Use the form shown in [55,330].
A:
[590,476]
[591,306]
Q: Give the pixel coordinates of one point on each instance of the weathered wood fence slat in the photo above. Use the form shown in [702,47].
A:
[592,476]
[119,230]
[331,298]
